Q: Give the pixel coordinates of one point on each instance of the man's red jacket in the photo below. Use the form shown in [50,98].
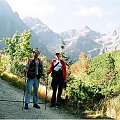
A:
[63,68]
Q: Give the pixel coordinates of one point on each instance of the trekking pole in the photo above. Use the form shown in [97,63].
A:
[24,92]
[46,91]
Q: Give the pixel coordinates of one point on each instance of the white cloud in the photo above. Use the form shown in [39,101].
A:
[34,8]
[110,25]
[88,11]
[111,11]
[93,11]
[60,16]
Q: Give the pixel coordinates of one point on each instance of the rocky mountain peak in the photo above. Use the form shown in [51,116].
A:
[86,27]
[30,22]
[5,9]
[36,25]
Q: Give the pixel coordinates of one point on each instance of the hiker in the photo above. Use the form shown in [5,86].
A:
[34,71]
[58,74]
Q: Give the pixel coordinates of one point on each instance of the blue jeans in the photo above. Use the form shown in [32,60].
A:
[35,83]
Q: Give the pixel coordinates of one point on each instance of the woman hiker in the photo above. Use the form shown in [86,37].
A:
[58,73]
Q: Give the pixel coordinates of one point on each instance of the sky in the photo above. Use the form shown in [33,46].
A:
[62,15]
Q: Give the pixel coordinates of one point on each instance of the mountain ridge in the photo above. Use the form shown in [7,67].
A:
[10,23]
[85,39]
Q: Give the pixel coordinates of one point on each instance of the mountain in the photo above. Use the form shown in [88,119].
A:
[85,39]
[76,40]
[82,40]
[111,41]
[51,39]
[11,23]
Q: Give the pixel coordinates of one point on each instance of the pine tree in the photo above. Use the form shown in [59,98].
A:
[110,72]
[63,54]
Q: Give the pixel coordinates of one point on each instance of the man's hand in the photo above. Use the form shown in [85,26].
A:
[43,75]
[48,72]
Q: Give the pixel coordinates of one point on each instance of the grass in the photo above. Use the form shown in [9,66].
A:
[20,83]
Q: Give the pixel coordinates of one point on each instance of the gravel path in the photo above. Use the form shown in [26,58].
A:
[13,110]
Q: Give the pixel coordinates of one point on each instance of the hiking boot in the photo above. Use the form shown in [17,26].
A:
[36,106]
[26,106]
[52,105]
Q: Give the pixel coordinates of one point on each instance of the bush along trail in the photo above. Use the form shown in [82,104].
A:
[11,109]
[91,84]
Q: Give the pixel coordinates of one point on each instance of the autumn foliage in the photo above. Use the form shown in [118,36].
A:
[81,65]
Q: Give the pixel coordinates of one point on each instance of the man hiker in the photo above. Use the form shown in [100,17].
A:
[34,71]
[58,74]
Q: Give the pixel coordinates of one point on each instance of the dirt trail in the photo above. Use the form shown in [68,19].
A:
[13,110]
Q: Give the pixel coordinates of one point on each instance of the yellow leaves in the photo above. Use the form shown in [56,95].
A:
[9,76]
[81,66]
[84,62]
[4,60]
[75,69]
[42,92]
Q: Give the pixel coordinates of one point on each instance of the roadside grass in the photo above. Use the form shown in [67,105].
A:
[20,84]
